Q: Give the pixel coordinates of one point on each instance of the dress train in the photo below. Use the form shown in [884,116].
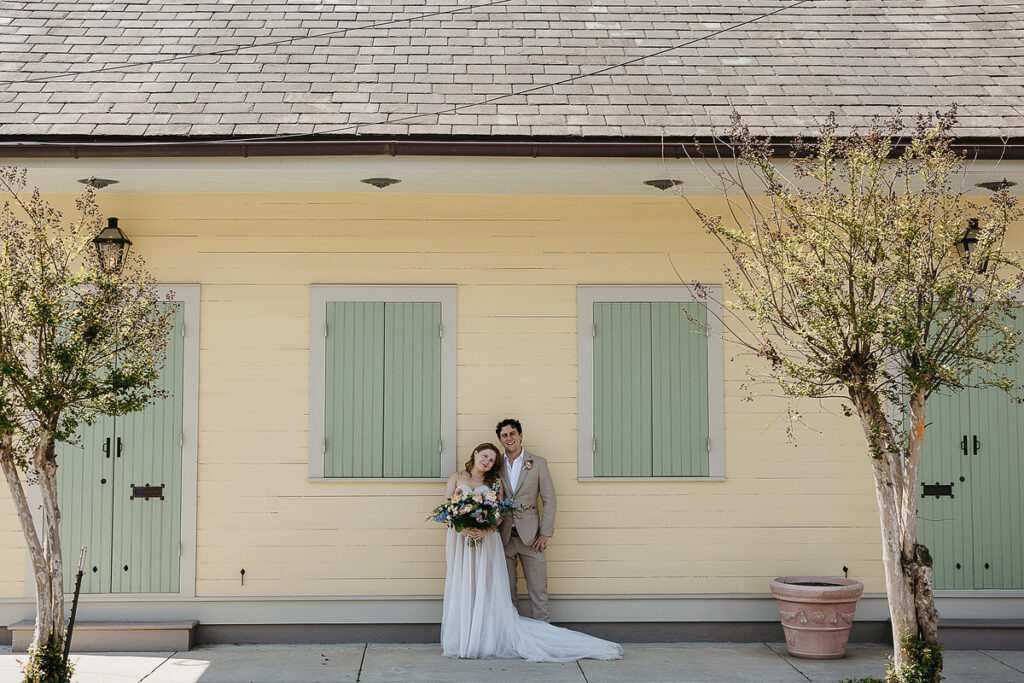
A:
[480,622]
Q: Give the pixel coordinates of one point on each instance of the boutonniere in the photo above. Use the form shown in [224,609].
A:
[527,466]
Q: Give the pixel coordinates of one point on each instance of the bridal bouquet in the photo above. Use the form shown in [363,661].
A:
[469,510]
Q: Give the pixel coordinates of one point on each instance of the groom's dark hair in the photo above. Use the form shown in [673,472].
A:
[509,422]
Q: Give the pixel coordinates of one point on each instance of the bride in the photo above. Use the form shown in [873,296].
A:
[479,620]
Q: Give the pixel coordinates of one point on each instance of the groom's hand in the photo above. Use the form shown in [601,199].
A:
[540,544]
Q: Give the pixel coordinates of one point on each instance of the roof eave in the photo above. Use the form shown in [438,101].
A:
[76,147]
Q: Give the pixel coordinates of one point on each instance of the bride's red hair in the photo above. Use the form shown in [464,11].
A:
[492,474]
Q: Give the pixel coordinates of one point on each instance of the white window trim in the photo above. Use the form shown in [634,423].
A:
[587,296]
[319,296]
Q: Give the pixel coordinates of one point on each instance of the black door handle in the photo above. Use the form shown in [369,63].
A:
[106,446]
[977,444]
[963,444]
[119,447]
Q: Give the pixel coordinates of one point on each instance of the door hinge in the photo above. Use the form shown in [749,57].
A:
[709,444]
[325,330]
[593,331]
[183,330]
[323,447]
[181,441]
[593,445]
[440,446]
[440,330]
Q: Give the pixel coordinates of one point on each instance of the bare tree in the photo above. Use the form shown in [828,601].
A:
[850,281]
[80,336]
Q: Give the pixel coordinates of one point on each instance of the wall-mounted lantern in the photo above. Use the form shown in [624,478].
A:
[112,247]
[967,244]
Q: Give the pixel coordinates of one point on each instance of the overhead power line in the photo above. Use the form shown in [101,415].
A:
[239,48]
[535,88]
[458,107]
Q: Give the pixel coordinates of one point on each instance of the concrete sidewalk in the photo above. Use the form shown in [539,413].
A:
[760,662]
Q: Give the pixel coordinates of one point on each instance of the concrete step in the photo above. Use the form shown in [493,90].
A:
[117,636]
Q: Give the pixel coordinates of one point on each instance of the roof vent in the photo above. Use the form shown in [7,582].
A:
[996,185]
[380,183]
[663,183]
[97,183]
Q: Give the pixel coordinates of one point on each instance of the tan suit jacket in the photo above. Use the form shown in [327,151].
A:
[534,482]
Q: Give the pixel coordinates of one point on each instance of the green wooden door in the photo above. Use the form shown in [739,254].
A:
[148,454]
[997,477]
[973,441]
[944,522]
[85,484]
[133,543]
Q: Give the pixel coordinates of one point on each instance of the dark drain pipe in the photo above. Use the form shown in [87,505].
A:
[74,607]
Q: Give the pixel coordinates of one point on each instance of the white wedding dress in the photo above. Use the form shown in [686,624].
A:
[480,622]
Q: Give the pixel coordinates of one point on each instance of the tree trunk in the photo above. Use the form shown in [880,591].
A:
[907,564]
[917,561]
[35,549]
[50,581]
[902,607]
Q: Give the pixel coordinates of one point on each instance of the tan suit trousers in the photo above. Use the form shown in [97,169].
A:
[534,570]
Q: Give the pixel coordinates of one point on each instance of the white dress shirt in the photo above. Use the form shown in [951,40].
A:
[513,469]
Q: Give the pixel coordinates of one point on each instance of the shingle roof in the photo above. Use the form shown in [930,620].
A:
[783,73]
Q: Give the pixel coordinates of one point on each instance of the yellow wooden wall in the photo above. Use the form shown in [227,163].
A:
[804,507]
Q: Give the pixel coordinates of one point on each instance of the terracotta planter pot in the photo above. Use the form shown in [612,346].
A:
[816,613]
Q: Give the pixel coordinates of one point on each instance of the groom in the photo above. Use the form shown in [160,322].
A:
[525,477]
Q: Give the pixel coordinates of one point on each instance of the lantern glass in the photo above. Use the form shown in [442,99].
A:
[112,247]
[967,244]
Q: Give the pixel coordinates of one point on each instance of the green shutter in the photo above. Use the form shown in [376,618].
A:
[412,389]
[354,401]
[650,390]
[622,389]
[383,390]
[148,532]
[679,383]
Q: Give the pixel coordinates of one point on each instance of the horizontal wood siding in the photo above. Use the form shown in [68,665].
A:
[805,506]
